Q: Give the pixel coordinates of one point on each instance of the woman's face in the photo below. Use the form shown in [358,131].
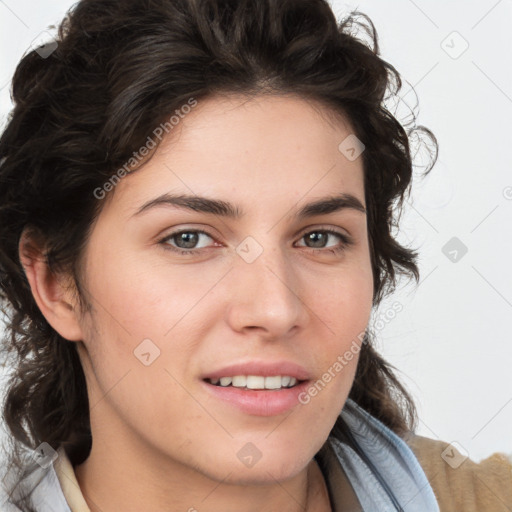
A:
[270,288]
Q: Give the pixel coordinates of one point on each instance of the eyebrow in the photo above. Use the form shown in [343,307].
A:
[221,208]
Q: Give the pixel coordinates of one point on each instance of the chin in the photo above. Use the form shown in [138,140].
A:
[264,473]
[240,469]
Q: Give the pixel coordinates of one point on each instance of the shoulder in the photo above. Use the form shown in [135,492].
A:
[460,483]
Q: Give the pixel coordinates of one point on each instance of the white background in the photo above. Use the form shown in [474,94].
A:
[451,342]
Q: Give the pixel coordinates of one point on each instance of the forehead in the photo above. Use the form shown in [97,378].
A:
[262,149]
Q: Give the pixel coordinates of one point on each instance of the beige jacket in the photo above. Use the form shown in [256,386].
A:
[470,487]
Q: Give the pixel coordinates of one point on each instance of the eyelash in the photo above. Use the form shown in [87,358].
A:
[345,239]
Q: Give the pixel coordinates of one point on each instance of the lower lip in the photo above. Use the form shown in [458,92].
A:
[259,402]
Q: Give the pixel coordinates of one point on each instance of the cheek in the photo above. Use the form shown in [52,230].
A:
[147,298]
[145,328]
[346,311]
[344,302]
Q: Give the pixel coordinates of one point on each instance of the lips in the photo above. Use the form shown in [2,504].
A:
[262,402]
[258,402]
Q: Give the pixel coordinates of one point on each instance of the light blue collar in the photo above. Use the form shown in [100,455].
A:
[382,470]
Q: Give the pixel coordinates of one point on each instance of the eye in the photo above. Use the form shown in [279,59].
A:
[185,240]
[319,238]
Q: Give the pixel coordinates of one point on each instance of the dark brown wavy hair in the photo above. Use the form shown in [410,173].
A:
[121,68]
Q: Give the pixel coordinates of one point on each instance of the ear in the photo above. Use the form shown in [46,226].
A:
[50,291]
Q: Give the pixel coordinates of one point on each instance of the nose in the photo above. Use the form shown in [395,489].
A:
[265,297]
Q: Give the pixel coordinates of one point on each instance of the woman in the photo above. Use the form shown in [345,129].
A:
[197,203]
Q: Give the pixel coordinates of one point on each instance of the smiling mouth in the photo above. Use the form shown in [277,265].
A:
[256,382]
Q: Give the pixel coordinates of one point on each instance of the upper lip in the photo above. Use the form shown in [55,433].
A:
[263,368]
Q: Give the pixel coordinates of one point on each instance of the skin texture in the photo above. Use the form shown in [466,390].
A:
[160,441]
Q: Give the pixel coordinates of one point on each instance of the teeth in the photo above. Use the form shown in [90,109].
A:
[225,381]
[273,382]
[239,381]
[256,381]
